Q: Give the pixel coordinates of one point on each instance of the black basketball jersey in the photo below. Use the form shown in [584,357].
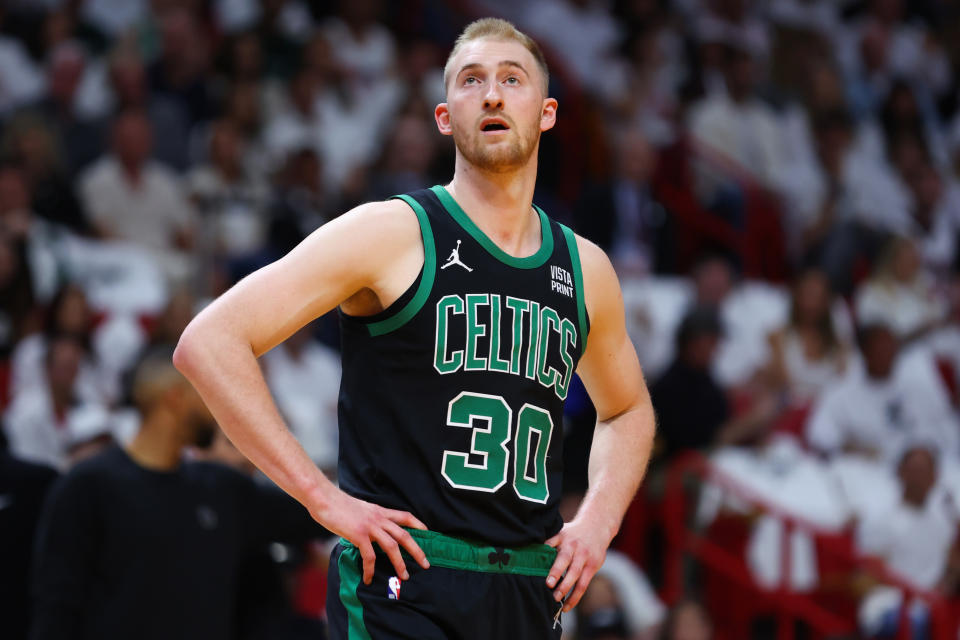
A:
[451,400]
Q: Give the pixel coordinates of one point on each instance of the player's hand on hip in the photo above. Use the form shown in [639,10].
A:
[581,549]
[363,524]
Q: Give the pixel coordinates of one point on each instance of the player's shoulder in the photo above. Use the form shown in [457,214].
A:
[598,271]
[387,219]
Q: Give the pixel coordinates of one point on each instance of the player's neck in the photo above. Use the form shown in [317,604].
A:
[500,204]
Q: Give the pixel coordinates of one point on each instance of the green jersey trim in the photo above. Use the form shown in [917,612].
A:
[530,262]
[458,553]
[578,284]
[404,315]
[348,564]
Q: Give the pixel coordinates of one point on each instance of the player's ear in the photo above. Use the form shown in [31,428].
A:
[442,115]
[548,116]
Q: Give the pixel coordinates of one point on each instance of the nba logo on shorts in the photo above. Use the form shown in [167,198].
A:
[393,588]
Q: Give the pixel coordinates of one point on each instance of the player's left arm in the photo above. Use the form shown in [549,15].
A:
[623,438]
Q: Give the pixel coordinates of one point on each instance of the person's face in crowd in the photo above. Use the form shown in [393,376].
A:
[496,108]
[246,60]
[873,48]
[8,261]
[690,622]
[64,357]
[193,418]
[833,140]
[812,297]
[35,149]
[226,147]
[178,33]
[825,87]
[66,70]
[243,108]
[740,74]
[637,159]
[714,281]
[57,28]
[412,145]
[72,314]
[303,91]
[918,475]
[360,13]
[905,265]
[887,11]
[14,195]
[132,139]
[305,171]
[176,316]
[129,81]
[880,352]
[927,187]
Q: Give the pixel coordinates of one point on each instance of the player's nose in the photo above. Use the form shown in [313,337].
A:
[493,98]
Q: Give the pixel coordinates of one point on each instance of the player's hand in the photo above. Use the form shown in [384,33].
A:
[581,548]
[363,523]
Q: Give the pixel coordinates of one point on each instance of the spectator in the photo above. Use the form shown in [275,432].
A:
[42,241]
[935,220]
[38,421]
[231,200]
[299,205]
[685,425]
[914,538]
[304,378]
[184,57]
[688,620]
[624,218]
[877,411]
[80,138]
[68,314]
[737,124]
[133,198]
[202,520]
[31,144]
[16,298]
[901,293]
[408,158]
[20,81]
[809,355]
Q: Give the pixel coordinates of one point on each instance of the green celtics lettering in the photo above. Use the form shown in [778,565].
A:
[521,336]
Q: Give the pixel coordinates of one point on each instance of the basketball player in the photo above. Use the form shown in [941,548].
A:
[454,377]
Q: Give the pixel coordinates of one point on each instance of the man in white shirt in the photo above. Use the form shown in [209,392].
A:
[130,197]
[877,411]
[913,537]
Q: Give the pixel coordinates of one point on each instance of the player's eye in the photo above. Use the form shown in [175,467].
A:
[512,80]
[470,80]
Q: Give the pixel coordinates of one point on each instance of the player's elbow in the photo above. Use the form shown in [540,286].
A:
[188,354]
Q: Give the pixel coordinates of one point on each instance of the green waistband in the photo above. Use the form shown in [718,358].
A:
[457,553]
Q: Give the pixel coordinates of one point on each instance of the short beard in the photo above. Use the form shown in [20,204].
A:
[500,159]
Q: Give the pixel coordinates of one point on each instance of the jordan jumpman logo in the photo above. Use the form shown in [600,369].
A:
[455,259]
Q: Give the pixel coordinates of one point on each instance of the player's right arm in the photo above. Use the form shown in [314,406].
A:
[370,253]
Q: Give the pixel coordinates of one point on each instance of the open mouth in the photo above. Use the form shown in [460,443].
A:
[489,126]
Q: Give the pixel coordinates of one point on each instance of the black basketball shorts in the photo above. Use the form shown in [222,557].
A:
[470,592]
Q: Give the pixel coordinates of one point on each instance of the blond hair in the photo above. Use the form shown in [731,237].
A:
[497,29]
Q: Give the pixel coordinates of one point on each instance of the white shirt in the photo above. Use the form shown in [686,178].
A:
[910,406]
[20,80]
[149,213]
[914,542]
[306,390]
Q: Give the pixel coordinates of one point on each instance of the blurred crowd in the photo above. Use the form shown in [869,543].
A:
[776,182]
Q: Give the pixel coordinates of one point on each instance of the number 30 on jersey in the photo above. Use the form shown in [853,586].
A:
[491,419]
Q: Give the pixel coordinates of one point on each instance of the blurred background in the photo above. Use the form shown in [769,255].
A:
[776,182]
